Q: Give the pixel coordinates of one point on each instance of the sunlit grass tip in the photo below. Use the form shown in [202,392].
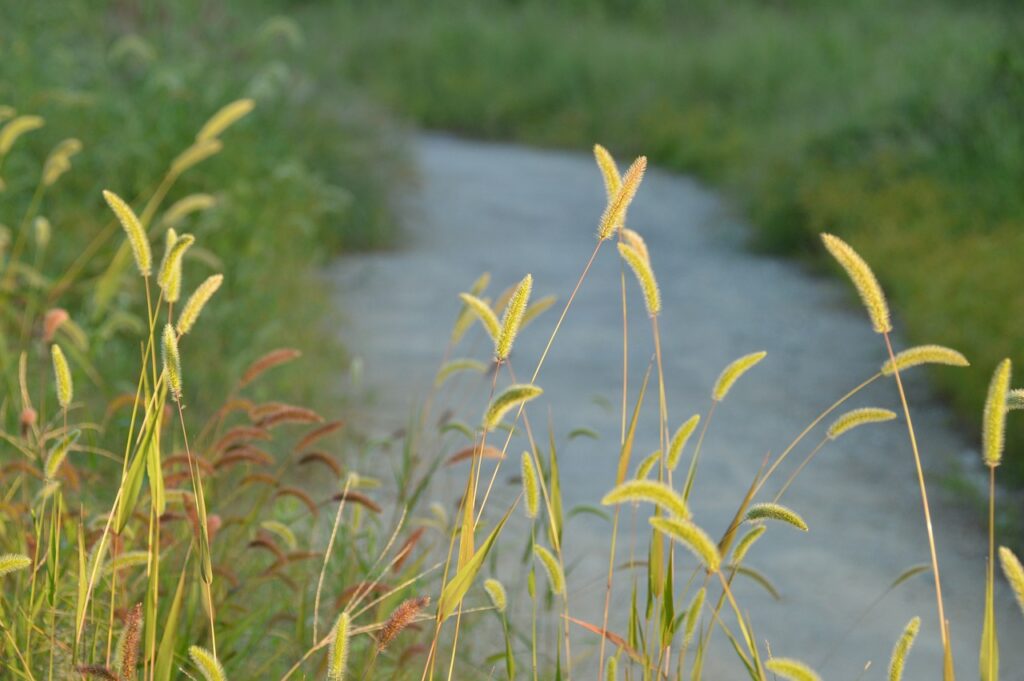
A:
[12,562]
[62,374]
[531,494]
[769,511]
[744,544]
[858,417]
[791,670]
[692,537]
[15,128]
[551,566]
[137,238]
[506,400]
[197,301]
[650,491]
[496,592]
[1012,568]
[924,354]
[484,313]
[693,616]
[513,318]
[615,214]
[993,423]
[172,361]
[733,372]
[184,207]
[1015,399]
[169,276]
[207,664]
[609,171]
[899,653]
[227,116]
[679,440]
[645,275]
[633,238]
[337,653]
[864,281]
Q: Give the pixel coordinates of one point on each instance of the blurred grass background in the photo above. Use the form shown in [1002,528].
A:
[308,174]
[899,126]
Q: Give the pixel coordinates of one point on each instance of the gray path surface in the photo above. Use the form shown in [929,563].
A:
[510,210]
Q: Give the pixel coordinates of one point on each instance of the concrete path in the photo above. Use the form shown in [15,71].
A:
[510,210]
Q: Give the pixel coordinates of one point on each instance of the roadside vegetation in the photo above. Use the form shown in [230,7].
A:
[307,173]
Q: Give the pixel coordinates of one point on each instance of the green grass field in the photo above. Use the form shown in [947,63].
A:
[304,176]
[899,127]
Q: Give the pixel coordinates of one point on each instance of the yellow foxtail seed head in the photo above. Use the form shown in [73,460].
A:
[651,491]
[195,154]
[59,160]
[770,511]
[207,664]
[184,207]
[863,280]
[612,670]
[645,466]
[609,171]
[858,417]
[510,397]
[693,616]
[732,373]
[225,118]
[791,670]
[675,448]
[645,276]
[551,566]
[1012,568]
[496,592]
[692,537]
[62,372]
[169,277]
[615,214]
[15,128]
[744,544]
[924,354]
[172,361]
[197,301]
[513,318]
[484,313]
[634,239]
[993,426]
[899,652]
[530,490]
[12,562]
[1015,399]
[338,653]
[137,238]
[41,227]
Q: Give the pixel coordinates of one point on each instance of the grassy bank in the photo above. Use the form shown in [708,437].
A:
[300,178]
[899,127]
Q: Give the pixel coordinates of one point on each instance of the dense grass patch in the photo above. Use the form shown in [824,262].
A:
[899,127]
[299,179]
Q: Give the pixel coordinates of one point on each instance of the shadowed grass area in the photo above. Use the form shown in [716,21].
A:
[901,127]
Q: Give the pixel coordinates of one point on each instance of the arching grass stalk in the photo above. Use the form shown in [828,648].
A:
[943,624]
[327,554]
[622,430]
